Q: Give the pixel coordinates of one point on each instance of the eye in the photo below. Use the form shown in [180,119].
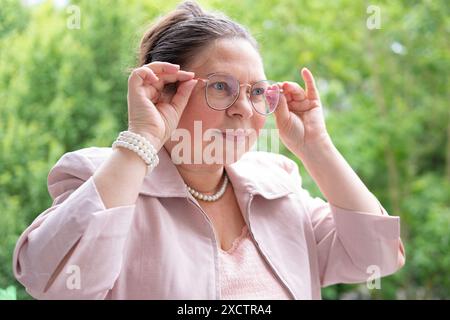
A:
[220,86]
[258,91]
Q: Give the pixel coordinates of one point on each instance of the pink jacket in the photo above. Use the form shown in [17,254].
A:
[164,247]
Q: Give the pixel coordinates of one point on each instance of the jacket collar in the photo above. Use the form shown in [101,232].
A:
[166,181]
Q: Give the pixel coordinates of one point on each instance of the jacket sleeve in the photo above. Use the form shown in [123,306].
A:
[74,249]
[351,246]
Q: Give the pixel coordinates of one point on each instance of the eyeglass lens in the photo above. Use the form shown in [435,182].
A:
[223,90]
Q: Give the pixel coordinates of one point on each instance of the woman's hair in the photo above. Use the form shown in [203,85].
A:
[178,36]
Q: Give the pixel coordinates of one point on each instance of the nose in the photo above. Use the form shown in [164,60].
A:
[242,106]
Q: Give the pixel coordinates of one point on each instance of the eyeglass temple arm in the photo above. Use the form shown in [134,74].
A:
[200,79]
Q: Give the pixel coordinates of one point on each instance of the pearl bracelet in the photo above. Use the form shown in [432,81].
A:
[139,144]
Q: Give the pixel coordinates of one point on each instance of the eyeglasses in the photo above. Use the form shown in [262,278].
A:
[222,90]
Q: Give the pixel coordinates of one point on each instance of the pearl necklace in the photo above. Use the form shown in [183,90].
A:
[213,197]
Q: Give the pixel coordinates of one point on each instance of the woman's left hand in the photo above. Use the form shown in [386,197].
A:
[299,116]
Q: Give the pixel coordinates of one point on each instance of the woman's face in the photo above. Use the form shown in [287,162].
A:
[235,57]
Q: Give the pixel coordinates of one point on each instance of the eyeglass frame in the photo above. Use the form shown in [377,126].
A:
[238,94]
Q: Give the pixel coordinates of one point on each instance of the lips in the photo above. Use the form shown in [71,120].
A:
[230,135]
[235,132]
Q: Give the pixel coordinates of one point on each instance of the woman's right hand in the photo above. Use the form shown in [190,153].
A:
[149,113]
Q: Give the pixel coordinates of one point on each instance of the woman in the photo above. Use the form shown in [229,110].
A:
[159,224]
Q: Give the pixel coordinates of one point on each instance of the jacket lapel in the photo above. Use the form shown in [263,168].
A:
[245,176]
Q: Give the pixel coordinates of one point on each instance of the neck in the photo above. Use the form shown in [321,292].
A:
[204,179]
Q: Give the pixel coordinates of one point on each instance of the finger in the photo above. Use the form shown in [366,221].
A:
[302,106]
[174,77]
[281,112]
[311,89]
[162,67]
[139,76]
[294,90]
[296,98]
[165,78]
[181,97]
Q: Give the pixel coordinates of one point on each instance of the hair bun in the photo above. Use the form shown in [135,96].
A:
[180,34]
[192,8]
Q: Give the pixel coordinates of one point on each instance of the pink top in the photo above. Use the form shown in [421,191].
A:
[244,275]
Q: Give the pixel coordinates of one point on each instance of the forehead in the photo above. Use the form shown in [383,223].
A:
[236,57]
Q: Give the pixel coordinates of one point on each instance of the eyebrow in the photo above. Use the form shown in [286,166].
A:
[251,82]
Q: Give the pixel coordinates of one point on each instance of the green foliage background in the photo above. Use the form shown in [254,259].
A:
[385,92]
